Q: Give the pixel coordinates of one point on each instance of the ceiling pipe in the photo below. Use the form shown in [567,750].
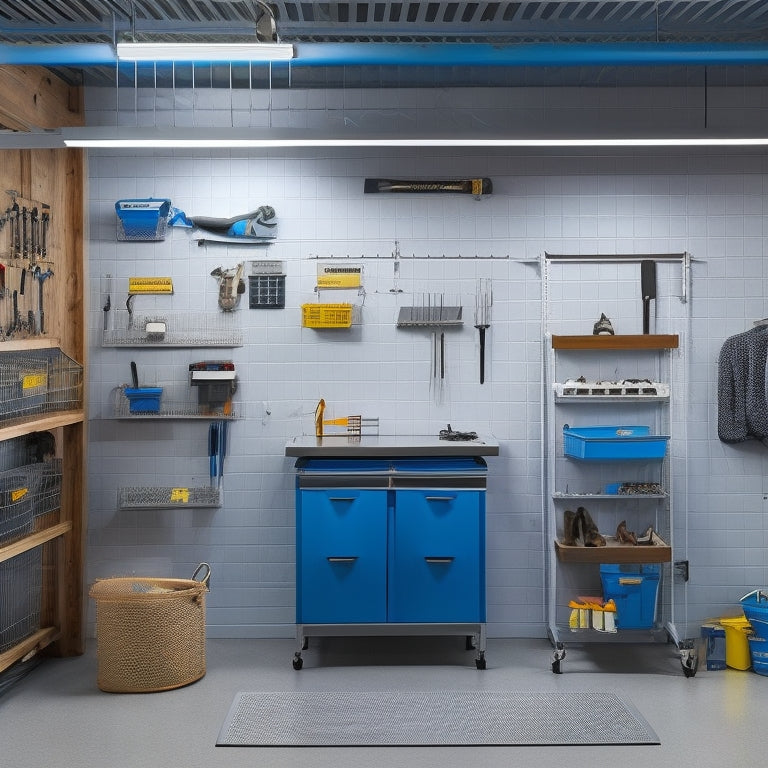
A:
[441,54]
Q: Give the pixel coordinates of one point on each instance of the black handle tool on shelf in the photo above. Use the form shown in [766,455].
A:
[648,290]
[134,375]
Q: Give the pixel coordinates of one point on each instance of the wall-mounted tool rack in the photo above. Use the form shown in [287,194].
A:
[178,401]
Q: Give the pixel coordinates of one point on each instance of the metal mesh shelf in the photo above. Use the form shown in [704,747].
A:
[38,381]
[168,498]
[178,401]
[172,329]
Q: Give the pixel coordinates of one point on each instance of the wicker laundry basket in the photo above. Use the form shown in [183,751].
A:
[150,633]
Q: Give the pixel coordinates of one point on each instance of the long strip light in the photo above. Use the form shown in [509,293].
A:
[81,138]
[170,51]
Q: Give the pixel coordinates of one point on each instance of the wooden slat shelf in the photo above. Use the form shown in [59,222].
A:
[614,552]
[33,540]
[29,646]
[41,423]
[629,342]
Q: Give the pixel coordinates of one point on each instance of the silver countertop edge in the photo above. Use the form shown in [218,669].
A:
[369,446]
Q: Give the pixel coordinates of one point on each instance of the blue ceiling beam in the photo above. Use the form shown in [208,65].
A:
[442,54]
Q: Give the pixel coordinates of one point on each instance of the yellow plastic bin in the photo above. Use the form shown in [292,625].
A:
[737,631]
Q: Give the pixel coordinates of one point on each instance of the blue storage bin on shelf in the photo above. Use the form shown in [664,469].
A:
[634,588]
[613,443]
[143,219]
[143,399]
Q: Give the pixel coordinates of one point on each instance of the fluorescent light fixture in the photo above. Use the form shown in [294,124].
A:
[170,51]
[235,139]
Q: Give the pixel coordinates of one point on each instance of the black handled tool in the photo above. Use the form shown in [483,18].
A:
[648,290]
[481,329]
[134,375]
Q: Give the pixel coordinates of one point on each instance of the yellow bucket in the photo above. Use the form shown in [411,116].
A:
[737,630]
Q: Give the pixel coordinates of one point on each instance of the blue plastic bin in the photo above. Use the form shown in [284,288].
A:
[613,443]
[714,636]
[758,651]
[142,219]
[144,399]
[634,588]
[755,607]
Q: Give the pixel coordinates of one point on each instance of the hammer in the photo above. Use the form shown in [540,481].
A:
[41,277]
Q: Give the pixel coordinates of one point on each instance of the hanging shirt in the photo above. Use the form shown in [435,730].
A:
[742,410]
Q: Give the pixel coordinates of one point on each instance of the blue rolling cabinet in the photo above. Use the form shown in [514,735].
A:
[390,546]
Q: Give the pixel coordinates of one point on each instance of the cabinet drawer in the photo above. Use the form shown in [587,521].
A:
[341,556]
[437,557]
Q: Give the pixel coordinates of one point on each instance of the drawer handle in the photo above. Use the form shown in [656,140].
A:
[332,559]
[439,559]
[342,498]
[440,498]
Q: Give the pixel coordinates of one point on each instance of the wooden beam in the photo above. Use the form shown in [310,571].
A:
[33,97]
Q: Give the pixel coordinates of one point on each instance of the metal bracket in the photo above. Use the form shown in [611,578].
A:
[682,569]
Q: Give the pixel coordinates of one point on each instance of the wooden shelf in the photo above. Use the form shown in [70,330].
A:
[20,427]
[614,552]
[630,342]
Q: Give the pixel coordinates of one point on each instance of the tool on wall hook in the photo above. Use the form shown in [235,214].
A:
[231,286]
[396,269]
[483,304]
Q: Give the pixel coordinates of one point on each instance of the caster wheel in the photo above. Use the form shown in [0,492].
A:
[305,644]
[480,663]
[557,657]
[298,662]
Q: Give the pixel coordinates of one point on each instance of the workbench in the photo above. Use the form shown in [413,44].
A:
[390,537]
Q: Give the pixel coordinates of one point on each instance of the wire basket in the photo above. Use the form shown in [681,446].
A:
[38,381]
[144,219]
[326,315]
[16,513]
[20,593]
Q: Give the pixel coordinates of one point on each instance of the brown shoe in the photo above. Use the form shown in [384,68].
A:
[591,534]
[623,536]
[570,528]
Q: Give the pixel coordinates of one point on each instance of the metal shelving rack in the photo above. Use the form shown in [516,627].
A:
[572,571]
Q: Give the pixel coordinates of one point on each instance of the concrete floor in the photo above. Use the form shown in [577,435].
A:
[56,716]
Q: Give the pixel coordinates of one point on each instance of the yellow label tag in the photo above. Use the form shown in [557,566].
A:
[18,494]
[335,276]
[150,285]
[34,380]
[180,494]
[477,186]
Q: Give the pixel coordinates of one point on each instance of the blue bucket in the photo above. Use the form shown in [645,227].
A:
[755,607]
[758,650]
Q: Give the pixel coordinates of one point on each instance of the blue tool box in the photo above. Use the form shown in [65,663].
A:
[143,219]
[634,588]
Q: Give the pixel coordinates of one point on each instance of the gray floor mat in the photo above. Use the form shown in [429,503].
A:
[427,718]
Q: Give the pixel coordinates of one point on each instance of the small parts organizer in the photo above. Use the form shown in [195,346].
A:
[37,382]
[266,285]
[626,388]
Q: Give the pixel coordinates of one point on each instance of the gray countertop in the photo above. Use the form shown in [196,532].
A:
[388,445]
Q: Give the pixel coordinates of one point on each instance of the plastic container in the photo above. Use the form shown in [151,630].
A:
[613,443]
[713,633]
[737,631]
[144,399]
[755,607]
[758,651]
[143,219]
[326,315]
[634,588]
